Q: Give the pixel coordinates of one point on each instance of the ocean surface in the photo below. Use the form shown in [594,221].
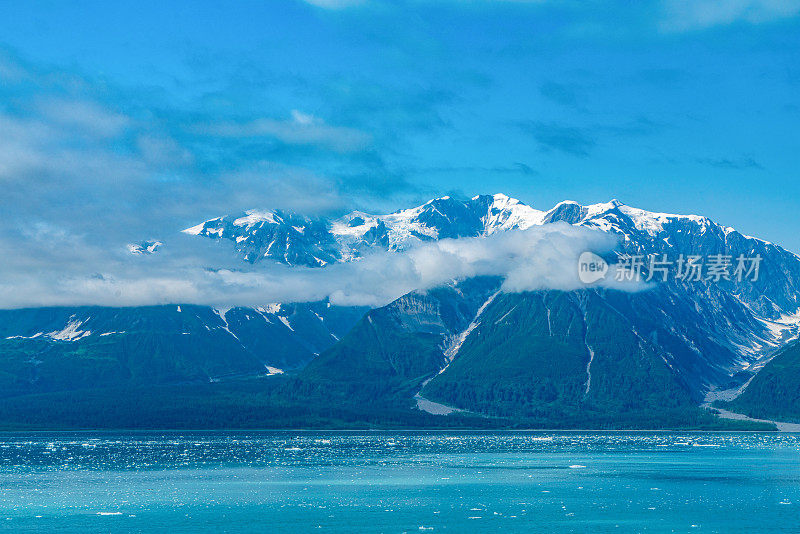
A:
[399,482]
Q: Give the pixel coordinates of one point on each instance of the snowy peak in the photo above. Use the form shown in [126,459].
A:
[446,217]
[296,239]
[615,216]
[251,220]
[506,213]
[144,247]
[279,235]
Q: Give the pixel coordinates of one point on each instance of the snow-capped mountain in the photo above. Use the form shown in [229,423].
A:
[708,332]
[145,247]
[461,345]
[44,349]
[298,240]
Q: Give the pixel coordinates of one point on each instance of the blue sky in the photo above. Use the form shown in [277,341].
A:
[124,119]
[663,106]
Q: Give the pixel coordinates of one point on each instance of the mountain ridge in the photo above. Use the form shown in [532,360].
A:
[467,344]
[270,234]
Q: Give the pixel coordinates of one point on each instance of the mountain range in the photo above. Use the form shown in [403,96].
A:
[468,351]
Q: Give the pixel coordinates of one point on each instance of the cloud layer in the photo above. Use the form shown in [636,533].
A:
[202,272]
[110,135]
[684,15]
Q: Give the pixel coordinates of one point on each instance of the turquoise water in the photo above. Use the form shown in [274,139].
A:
[400,482]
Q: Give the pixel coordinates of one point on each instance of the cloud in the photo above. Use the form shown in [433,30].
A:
[686,15]
[77,161]
[303,129]
[84,117]
[188,270]
[39,156]
[134,164]
[161,150]
[268,185]
[82,179]
[335,4]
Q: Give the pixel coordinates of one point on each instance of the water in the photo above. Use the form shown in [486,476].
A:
[400,482]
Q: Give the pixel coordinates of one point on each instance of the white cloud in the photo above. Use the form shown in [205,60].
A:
[81,180]
[37,147]
[84,167]
[162,150]
[685,15]
[302,129]
[335,4]
[539,258]
[84,116]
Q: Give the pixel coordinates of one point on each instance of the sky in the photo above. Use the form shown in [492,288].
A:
[122,121]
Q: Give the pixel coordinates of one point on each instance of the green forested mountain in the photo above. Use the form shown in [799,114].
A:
[556,355]
[471,348]
[393,349]
[774,393]
[57,349]
[550,358]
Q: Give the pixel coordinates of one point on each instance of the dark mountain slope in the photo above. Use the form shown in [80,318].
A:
[52,349]
[774,393]
[391,350]
[556,355]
